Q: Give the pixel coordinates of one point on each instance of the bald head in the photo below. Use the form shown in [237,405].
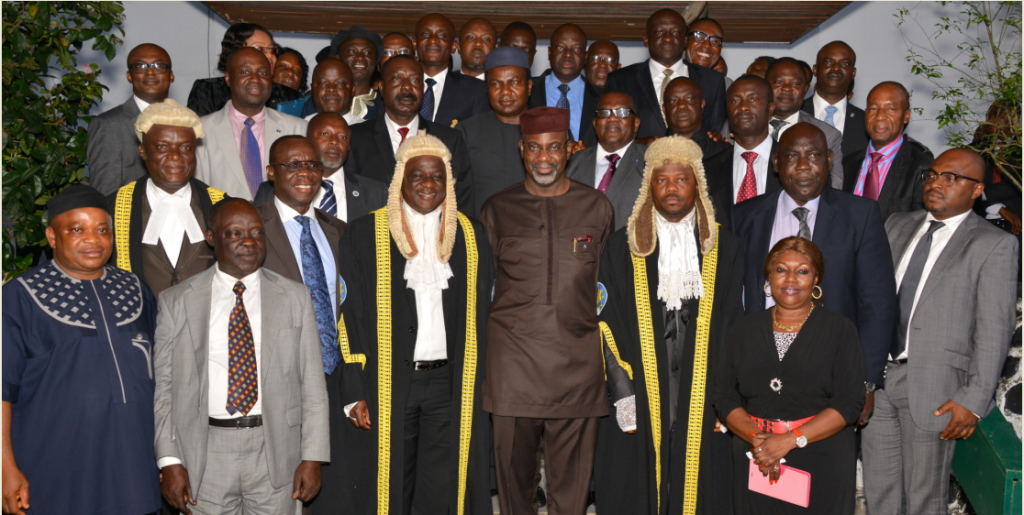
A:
[568,52]
[248,75]
[953,183]
[148,82]
[665,36]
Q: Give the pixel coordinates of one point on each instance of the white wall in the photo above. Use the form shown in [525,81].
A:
[192,34]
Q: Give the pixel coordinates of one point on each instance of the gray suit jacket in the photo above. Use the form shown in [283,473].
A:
[964,318]
[625,185]
[293,392]
[112,149]
[217,161]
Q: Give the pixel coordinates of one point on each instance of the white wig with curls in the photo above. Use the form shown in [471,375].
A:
[422,144]
[168,112]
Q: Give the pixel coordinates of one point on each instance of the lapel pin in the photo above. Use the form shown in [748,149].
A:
[278,130]
[355,193]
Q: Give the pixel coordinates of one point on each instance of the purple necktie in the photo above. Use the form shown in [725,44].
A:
[871,179]
[252,161]
[613,159]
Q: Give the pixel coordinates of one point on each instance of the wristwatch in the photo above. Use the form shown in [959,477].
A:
[870,387]
[801,440]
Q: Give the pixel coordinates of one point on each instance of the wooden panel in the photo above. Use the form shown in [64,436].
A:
[775,22]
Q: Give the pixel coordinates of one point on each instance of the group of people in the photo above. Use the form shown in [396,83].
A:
[782,282]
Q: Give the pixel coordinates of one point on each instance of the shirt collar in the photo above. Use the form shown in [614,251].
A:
[239,117]
[287,213]
[440,77]
[788,204]
[791,120]
[820,104]
[886,150]
[227,282]
[763,149]
[156,194]
[575,85]
[602,153]
[141,103]
[952,222]
[678,69]
[393,127]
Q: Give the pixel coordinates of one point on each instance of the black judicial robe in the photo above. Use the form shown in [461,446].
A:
[624,468]
[358,457]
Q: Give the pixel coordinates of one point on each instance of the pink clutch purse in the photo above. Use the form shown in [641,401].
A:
[794,485]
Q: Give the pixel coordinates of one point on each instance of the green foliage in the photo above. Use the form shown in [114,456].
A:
[46,101]
[986,66]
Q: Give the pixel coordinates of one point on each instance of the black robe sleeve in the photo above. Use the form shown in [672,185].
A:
[357,310]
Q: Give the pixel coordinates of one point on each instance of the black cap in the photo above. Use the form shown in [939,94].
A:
[76,196]
[358,31]
[324,53]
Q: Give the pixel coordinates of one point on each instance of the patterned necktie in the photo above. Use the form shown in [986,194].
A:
[243,382]
[563,101]
[661,94]
[871,185]
[613,161]
[830,113]
[908,288]
[316,280]
[252,160]
[748,188]
[427,109]
[329,203]
[805,230]
[403,131]
[777,126]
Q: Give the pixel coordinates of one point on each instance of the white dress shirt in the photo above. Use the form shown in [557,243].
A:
[739,166]
[438,90]
[293,229]
[141,103]
[222,302]
[170,219]
[792,120]
[602,161]
[939,240]
[338,178]
[840,117]
[350,118]
[396,138]
[787,224]
[678,70]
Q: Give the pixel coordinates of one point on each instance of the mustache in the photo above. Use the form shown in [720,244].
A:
[406,96]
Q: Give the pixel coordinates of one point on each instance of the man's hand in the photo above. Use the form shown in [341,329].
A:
[359,415]
[574,146]
[961,424]
[176,489]
[307,481]
[1012,218]
[15,488]
[868,410]
[714,136]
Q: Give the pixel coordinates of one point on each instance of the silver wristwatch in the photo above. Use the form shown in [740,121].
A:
[801,440]
[870,387]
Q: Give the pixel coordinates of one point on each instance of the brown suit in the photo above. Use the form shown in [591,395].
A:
[150,262]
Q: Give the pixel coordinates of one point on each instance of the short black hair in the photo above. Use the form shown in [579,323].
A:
[619,91]
[767,59]
[836,42]
[519,25]
[760,80]
[710,20]
[302,64]
[235,38]
[285,139]
[215,210]
[807,68]
[681,78]
[783,60]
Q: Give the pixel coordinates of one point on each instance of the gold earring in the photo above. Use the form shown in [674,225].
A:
[820,293]
[767,289]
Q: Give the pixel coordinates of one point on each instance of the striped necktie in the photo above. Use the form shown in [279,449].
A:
[329,203]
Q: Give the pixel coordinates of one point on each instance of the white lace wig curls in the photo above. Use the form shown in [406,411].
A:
[422,144]
[641,231]
[168,112]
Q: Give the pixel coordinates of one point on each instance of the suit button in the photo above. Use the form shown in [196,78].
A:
[675,369]
[412,329]
[175,279]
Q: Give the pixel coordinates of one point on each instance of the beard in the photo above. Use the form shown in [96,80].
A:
[544,180]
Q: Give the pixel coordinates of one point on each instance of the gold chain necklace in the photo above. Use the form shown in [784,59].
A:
[790,328]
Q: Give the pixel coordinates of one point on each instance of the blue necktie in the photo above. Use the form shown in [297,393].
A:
[427,109]
[830,113]
[252,160]
[563,101]
[329,203]
[315,279]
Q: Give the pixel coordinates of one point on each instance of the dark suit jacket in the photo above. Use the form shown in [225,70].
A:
[591,94]
[625,185]
[855,137]
[463,97]
[635,79]
[362,195]
[112,148]
[858,283]
[718,171]
[371,154]
[903,186]
[281,259]
[1003,192]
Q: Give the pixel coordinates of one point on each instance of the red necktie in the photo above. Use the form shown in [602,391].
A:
[748,189]
[404,131]
[871,179]
[613,159]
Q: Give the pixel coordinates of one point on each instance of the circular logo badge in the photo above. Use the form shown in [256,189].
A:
[602,297]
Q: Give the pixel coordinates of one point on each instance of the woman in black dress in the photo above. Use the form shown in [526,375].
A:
[790,384]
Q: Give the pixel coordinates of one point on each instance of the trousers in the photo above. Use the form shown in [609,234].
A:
[237,477]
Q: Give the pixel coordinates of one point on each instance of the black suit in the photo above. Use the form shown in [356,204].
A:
[463,97]
[718,171]
[372,156]
[855,137]
[591,94]
[362,195]
[858,282]
[903,186]
[635,79]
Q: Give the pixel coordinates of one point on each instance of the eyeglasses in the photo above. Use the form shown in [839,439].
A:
[948,178]
[701,37]
[603,60]
[619,112]
[401,51]
[553,149]
[158,68]
[267,50]
[298,166]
